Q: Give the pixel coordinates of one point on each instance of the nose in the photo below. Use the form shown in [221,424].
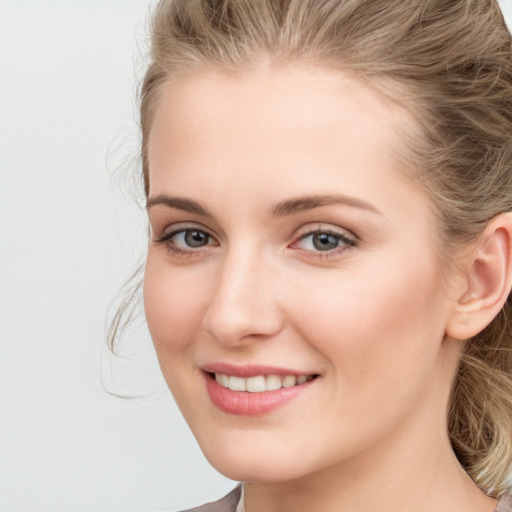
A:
[244,306]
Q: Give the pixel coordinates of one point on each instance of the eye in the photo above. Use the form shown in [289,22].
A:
[324,241]
[192,238]
[184,241]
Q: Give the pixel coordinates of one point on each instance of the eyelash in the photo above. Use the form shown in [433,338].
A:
[167,239]
[345,243]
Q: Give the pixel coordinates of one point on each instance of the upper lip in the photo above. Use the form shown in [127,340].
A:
[249,370]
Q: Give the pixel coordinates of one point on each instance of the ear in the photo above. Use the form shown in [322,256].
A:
[486,282]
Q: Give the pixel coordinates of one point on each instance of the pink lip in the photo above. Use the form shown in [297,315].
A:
[244,403]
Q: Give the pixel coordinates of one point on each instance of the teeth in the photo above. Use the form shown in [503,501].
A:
[256,384]
[237,383]
[260,383]
[222,379]
[301,379]
[289,381]
[273,382]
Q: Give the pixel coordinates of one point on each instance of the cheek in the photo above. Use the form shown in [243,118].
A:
[173,303]
[383,322]
[174,306]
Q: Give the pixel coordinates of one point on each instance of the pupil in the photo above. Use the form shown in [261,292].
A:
[196,238]
[324,241]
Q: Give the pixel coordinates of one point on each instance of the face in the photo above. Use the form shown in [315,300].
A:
[293,288]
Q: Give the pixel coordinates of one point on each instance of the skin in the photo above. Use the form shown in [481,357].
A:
[369,317]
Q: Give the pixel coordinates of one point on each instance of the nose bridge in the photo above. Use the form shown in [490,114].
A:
[243,306]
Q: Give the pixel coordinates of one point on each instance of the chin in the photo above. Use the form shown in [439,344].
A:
[247,469]
[255,460]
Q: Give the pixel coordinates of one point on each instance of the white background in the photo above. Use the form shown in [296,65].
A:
[70,235]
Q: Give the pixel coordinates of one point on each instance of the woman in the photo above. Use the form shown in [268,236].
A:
[329,186]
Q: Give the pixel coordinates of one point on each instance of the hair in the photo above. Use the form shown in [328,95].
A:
[449,63]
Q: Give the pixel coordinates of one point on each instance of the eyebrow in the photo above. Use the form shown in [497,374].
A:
[302,204]
[179,203]
[281,209]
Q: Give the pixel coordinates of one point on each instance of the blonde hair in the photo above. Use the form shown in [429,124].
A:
[451,61]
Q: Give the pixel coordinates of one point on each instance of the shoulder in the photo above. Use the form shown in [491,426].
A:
[226,504]
[504,503]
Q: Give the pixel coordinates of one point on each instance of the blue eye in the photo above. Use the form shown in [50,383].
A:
[324,241]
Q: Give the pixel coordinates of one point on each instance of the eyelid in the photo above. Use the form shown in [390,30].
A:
[319,227]
[177,227]
[177,250]
[347,240]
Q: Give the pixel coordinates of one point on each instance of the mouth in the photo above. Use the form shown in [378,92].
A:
[260,383]
[254,390]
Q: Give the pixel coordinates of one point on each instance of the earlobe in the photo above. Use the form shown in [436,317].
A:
[487,281]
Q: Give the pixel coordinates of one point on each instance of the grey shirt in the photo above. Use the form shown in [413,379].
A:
[230,502]
[226,504]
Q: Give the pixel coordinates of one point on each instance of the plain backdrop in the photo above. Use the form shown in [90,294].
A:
[71,233]
[70,236]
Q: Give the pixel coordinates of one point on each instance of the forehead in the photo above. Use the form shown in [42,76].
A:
[275,127]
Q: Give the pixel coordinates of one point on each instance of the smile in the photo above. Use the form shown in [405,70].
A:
[260,383]
[253,390]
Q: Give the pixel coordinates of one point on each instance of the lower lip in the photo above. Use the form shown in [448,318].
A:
[245,403]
